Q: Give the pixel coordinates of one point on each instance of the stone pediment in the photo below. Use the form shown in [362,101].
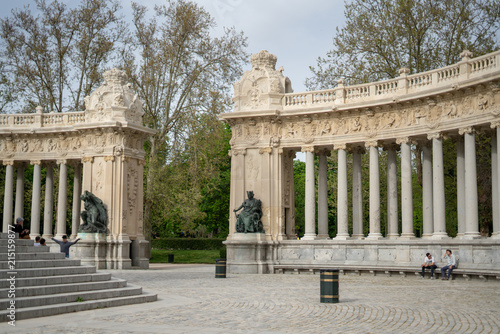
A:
[262,87]
[114,101]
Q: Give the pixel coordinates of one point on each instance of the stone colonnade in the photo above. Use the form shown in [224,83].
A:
[36,223]
[270,123]
[105,146]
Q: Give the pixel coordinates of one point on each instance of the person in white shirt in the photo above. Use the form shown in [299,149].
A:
[37,242]
[450,258]
[428,264]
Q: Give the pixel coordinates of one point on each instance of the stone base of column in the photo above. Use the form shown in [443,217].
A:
[427,236]
[91,250]
[33,236]
[407,236]
[247,253]
[440,235]
[309,237]
[495,235]
[392,236]
[471,235]
[342,237]
[47,236]
[322,237]
[358,236]
[374,236]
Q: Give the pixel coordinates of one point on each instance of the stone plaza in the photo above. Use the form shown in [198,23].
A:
[192,300]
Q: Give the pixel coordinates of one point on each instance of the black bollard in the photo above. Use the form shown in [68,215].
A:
[220,268]
[329,289]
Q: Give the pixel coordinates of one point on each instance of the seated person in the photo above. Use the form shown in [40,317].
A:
[37,242]
[18,228]
[428,264]
[42,242]
[452,264]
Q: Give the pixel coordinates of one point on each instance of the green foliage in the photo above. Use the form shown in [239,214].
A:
[187,243]
[184,256]
[299,175]
[223,253]
[382,36]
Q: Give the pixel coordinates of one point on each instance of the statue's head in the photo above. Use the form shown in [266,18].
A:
[250,194]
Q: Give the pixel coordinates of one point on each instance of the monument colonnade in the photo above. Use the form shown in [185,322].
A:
[270,123]
[105,146]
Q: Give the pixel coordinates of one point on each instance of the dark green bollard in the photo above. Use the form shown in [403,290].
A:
[170,258]
[329,289]
[220,268]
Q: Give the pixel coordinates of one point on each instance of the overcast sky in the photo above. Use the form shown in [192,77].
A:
[296,31]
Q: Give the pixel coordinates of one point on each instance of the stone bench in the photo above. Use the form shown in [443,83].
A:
[463,273]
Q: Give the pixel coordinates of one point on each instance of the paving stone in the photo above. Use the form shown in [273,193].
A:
[192,300]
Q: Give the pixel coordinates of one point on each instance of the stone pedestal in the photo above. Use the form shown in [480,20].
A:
[247,254]
[91,250]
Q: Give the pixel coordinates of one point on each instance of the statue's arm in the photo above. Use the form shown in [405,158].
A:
[241,206]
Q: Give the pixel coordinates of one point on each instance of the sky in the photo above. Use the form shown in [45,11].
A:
[296,31]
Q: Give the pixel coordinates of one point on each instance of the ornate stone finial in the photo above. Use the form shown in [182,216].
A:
[466,55]
[39,109]
[341,82]
[115,76]
[404,71]
[263,59]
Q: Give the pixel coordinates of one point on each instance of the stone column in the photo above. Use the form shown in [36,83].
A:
[49,202]
[35,199]
[8,198]
[322,198]
[495,182]
[342,200]
[438,199]
[406,189]
[61,199]
[357,195]
[310,198]
[77,202]
[374,192]
[19,210]
[427,213]
[471,200]
[460,187]
[392,192]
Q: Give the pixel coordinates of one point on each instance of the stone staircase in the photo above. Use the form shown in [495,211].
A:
[47,283]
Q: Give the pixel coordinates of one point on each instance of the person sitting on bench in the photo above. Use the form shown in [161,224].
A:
[428,264]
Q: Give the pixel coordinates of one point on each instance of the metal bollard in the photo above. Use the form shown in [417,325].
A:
[220,268]
[329,289]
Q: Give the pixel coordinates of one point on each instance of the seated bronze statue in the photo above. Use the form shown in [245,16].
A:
[248,221]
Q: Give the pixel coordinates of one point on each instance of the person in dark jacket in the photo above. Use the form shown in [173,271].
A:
[65,244]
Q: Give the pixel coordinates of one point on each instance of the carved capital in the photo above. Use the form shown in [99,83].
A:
[35,162]
[403,140]
[8,162]
[434,135]
[371,143]
[337,147]
[307,149]
[87,159]
[109,158]
[62,161]
[495,124]
[467,130]
[238,151]
[267,150]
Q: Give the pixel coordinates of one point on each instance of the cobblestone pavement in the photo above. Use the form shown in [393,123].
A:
[192,300]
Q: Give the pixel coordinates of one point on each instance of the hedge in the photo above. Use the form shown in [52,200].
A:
[187,243]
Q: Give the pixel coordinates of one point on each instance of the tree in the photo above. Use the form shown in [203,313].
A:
[180,72]
[55,55]
[382,36]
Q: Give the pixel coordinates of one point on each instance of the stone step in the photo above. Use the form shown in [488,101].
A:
[41,290]
[48,310]
[25,249]
[34,256]
[17,242]
[51,280]
[22,264]
[71,297]
[54,271]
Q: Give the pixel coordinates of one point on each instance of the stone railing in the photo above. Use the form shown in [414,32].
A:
[39,119]
[443,78]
